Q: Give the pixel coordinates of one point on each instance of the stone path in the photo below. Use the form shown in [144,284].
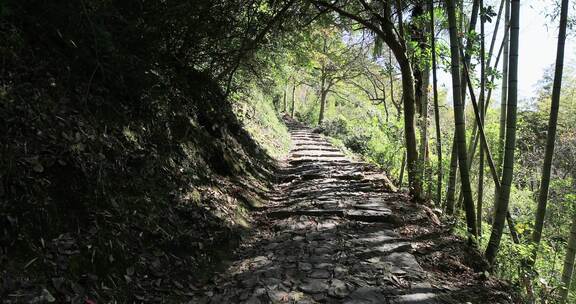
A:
[327,238]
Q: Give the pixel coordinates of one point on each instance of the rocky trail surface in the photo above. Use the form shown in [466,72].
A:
[337,231]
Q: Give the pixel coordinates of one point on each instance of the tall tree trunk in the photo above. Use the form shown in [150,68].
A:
[465,60]
[323,90]
[495,33]
[504,94]
[385,103]
[391,77]
[424,123]
[409,100]
[428,177]
[285,103]
[460,126]
[469,46]
[410,129]
[293,100]
[570,254]
[323,94]
[451,191]
[552,123]
[484,142]
[436,107]
[473,144]
[482,114]
[422,81]
[508,170]
[479,204]
[401,178]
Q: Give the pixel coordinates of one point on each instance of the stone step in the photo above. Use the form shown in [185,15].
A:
[369,216]
[310,212]
[318,155]
[330,149]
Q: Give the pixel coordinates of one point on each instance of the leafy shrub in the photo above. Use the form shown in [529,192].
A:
[357,142]
[307,117]
[335,127]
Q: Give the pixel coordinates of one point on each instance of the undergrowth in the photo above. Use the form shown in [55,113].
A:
[125,175]
[262,121]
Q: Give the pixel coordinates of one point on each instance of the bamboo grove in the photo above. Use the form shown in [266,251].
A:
[391,52]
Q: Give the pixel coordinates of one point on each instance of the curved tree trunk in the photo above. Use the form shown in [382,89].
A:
[508,170]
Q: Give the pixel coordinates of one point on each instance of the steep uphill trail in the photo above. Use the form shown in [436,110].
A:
[339,232]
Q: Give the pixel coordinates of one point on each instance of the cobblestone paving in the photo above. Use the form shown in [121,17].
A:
[328,238]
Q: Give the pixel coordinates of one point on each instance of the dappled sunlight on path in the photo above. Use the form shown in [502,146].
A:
[329,238]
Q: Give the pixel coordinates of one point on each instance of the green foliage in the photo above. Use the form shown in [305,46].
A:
[131,117]
[120,147]
[487,13]
[337,127]
[262,121]
[357,142]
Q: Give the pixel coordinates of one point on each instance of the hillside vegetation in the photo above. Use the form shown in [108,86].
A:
[122,158]
[145,144]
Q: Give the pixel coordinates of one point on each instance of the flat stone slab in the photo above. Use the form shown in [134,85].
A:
[366,295]
[357,176]
[416,298]
[372,206]
[369,215]
[310,212]
[385,249]
[338,289]
[313,286]
[311,176]
[406,262]
[320,274]
[373,238]
[316,153]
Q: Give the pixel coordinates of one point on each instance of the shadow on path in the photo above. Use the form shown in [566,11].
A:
[330,238]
